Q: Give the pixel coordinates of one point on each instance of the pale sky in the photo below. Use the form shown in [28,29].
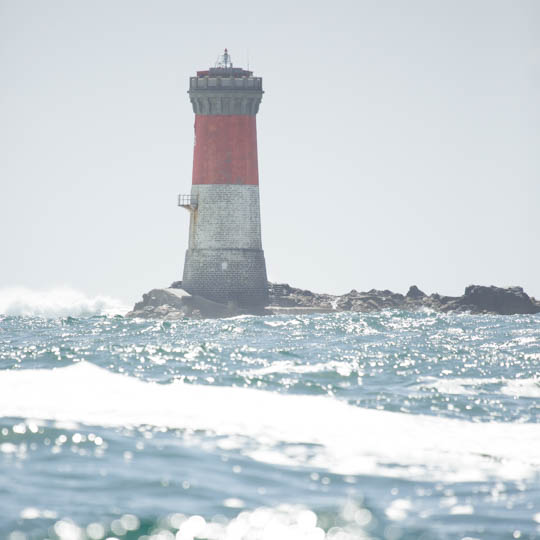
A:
[399,141]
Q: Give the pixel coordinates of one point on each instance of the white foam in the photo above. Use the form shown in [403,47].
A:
[458,386]
[522,387]
[526,387]
[347,439]
[58,302]
[288,367]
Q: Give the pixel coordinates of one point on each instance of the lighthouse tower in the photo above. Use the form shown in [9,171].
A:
[225,261]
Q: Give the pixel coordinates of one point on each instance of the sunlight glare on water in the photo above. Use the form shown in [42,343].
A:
[342,426]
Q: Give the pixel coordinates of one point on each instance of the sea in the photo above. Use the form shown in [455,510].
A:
[341,426]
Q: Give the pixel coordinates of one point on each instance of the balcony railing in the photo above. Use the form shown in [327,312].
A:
[188,201]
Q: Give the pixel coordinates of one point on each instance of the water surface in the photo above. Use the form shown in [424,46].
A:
[338,426]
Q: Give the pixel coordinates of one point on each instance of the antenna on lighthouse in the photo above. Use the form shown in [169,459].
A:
[224,61]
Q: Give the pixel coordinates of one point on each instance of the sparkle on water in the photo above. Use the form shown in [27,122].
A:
[388,426]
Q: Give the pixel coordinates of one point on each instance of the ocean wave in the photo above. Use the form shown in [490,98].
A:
[289,430]
[57,302]
[464,386]
[287,367]
[523,387]
[526,387]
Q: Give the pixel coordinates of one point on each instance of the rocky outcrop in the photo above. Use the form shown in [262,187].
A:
[283,295]
[176,303]
[476,299]
[414,293]
[481,299]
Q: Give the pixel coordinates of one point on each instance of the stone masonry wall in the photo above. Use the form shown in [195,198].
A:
[224,275]
[225,95]
[225,261]
[227,216]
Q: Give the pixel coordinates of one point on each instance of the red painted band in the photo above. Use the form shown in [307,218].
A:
[225,150]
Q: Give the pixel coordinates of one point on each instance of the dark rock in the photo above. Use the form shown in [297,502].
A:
[414,292]
[477,299]
[504,301]
[175,303]
[279,289]
[285,296]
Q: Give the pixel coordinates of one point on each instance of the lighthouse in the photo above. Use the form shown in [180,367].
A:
[225,261]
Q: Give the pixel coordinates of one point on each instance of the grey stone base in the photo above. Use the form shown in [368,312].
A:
[227,275]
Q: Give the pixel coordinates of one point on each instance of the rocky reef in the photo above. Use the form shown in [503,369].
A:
[175,303]
[476,299]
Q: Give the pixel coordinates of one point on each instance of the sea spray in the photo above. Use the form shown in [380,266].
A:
[56,302]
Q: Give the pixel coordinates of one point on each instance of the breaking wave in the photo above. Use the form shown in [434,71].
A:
[289,430]
[57,302]
[526,387]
